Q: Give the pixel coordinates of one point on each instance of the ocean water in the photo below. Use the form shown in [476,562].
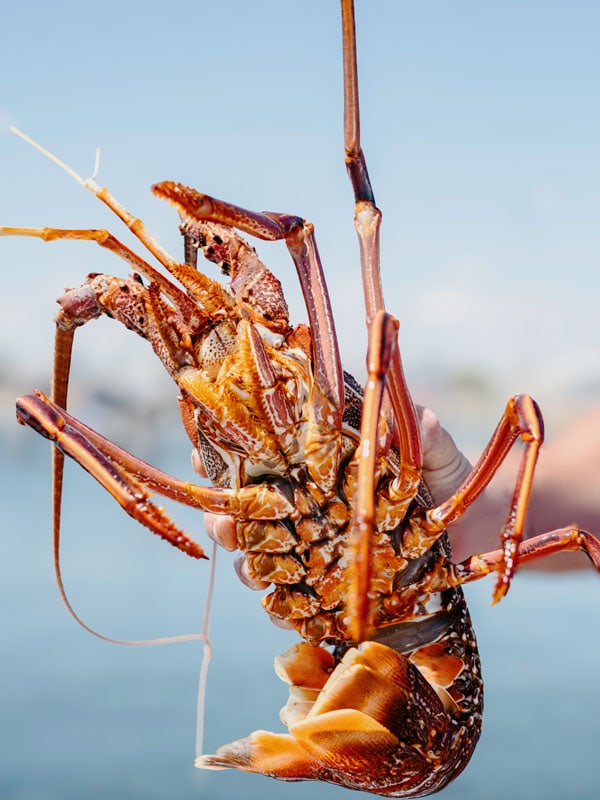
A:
[80,718]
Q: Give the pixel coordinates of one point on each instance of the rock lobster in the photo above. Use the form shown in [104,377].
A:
[323,479]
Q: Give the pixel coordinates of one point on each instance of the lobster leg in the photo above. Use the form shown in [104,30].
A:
[384,362]
[128,478]
[521,418]
[382,341]
[214,296]
[367,221]
[561,540]
[41,415]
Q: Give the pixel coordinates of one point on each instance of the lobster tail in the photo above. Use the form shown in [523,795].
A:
[377,725]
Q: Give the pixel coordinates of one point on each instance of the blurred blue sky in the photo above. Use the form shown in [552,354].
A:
[481,126]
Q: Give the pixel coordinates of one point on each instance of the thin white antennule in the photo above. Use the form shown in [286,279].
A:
[89,183]
[135,225]
[94,174]
[206,656]
[49,155]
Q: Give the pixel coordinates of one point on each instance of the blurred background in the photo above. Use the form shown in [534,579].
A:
[481,127]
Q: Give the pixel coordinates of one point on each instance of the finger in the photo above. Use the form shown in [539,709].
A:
[198,463]
[241,569]
[286,624]
[444,466]
[221,530]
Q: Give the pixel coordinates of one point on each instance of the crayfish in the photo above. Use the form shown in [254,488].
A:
[323,478]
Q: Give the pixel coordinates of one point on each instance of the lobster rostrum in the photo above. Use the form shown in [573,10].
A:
[323,479]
